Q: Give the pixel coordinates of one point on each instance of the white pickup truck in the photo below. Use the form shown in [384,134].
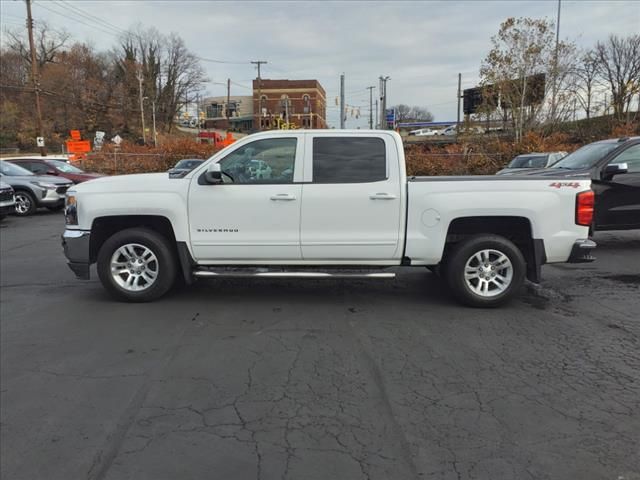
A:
[333,203]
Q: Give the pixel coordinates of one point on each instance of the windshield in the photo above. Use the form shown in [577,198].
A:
[190,164]
[13,170]
[586,156]
[64,166]
[529,161]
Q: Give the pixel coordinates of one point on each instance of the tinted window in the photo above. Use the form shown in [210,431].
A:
[263,161]
[631,156]
[348,160]
[37,168]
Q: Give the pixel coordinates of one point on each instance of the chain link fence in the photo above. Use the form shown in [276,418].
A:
[115,163]
[425,163]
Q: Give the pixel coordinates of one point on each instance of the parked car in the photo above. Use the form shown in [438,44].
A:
[528,161]
[184,166]
[614,169]
[449,131]
[7,200]
[424,132]
[53,166]
[349,210]
[33,191]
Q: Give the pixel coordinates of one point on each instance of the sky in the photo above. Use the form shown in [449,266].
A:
[421,46]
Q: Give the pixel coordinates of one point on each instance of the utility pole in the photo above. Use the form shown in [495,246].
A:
[383,101]
[377,116]
[228,114]
[144,137]
[342,101]
[258,63]
[459,95]
[554,93]
[370,106]
[34,77]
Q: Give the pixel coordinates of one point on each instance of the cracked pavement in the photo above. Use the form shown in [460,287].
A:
[317,379]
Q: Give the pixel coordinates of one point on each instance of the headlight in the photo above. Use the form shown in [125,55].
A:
[70,210]
[46,185]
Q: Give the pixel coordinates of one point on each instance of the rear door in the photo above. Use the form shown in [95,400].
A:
[618,201]
[351,198]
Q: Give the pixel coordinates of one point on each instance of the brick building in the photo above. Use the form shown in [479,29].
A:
[240,111]
[288,104]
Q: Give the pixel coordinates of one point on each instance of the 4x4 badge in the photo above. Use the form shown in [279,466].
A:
[565,184]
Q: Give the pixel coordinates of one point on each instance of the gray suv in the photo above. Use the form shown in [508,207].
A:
[33,191]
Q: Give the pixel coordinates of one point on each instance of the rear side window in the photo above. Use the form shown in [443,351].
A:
[349,160]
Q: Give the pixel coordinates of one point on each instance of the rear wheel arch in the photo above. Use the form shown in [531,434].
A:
[516,229]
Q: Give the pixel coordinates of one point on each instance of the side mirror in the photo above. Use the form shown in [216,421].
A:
[615,169]
[213,175]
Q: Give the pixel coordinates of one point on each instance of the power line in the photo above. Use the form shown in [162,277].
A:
[223,61]
[90,16]
[77,20]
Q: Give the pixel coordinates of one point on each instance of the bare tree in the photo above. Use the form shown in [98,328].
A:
[523,51]
[587,79]
[405,113]
[48,42]
[619,64]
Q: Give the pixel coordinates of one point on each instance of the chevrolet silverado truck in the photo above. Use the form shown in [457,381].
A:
[336,204]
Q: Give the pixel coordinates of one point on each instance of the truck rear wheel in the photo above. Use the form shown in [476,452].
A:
[485,271]
[137,265]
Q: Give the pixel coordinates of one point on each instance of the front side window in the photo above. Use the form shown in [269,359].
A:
[631,156]
[529,161]
[263,161]
[349,160]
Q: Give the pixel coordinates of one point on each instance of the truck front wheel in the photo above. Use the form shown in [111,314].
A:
[485,270]
[136,265]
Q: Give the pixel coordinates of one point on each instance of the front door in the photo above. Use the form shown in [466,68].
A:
[254,215]
[618,198]
[352,201]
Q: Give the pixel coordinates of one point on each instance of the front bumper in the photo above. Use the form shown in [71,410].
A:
[76,245]
[51,198]
[581,251]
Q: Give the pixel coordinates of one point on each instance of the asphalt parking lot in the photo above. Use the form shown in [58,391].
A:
[323,379]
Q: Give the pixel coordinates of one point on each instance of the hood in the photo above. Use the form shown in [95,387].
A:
[37,178]
[143,182]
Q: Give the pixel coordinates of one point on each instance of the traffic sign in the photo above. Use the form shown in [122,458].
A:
[117,140]
[78,146]
[40,141]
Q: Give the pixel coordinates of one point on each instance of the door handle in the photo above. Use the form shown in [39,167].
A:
[283,196]
[382,196]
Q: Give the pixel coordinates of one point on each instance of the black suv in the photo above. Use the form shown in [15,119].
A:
[614,168]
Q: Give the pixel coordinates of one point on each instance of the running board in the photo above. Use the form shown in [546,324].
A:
[289,274]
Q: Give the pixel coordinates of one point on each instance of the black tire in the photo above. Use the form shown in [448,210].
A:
[158,245]
[456,261]
[27,203]
[56,208]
